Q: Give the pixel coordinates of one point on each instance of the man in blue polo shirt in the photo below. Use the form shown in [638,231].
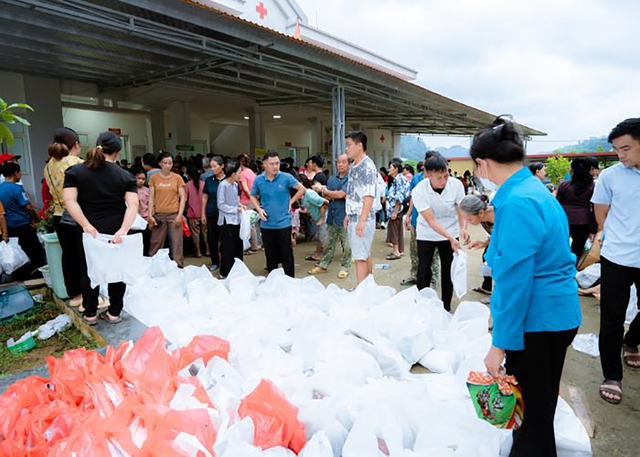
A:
[616,208]
[274,209]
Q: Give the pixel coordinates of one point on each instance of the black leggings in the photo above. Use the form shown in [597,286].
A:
[30,244]
[230,247]
[538,368]
[426,250]
[579,235]
[71,258]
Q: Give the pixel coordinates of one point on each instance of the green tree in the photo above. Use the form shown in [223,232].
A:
[557,167]
[7,116]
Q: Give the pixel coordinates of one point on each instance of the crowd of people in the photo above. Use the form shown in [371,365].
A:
[530,264]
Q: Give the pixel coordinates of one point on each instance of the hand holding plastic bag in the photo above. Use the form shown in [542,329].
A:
[12,256]
[459,273]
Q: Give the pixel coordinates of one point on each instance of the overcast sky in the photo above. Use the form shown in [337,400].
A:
[567,67]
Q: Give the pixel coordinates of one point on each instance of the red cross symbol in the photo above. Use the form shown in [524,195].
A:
[382,138]
[261,10]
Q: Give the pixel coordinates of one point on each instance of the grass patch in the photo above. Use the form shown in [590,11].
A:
[55,346]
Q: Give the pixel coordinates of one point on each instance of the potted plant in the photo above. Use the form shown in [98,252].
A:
[7,116]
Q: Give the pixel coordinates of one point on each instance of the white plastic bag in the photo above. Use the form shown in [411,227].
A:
[139,223]
[588,277]
[459,273]
[12,256]
[485,270]
[245,227]
[632,309]
[109,263]
[318,446]
[587,343]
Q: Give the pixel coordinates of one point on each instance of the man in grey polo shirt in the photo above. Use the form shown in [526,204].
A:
[615,201]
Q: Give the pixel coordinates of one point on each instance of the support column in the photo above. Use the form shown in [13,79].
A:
[317,136]
[180,123]
[43,94]
[257,137]
[385,158]
[396,145]
[338,111]
[157,136]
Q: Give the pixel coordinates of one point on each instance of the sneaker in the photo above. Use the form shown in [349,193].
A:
[408,282]
[213,267]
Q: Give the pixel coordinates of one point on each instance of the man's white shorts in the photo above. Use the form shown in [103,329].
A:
[361,246]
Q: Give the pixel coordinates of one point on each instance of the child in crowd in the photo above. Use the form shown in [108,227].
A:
[295,224]
[194,189]
[316,207]
[229,208]
[143,208]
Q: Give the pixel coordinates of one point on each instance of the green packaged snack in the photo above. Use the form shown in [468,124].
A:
[497,401]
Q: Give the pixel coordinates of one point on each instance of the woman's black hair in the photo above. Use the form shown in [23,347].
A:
[64,139]
[230,167]
[194,174]
[163,155]
[535,167]
[107,143]
[581,177]
[397,164]
[409,168]
[500,141]
[436,163]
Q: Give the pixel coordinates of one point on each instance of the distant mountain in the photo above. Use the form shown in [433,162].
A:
[413,148]
[593,144]
[453,152]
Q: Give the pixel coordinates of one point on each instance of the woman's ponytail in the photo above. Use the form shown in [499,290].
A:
[95,158]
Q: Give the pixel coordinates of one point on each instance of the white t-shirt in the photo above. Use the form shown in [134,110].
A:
[443,207]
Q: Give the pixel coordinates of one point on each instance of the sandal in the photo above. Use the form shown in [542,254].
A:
[486,300]
[317,269]
[343,274]
[480,290]
[613,389]
[393,256]
[631,356]
[311,258]
[110,319]
[90,320]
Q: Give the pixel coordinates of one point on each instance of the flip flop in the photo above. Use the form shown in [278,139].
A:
[393,257]
[613,388]
[343,274]
[631,356]
[90,321]
[111,320]
[480,290]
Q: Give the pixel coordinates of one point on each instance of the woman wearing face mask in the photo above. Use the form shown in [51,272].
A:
[535,307]
[166,204]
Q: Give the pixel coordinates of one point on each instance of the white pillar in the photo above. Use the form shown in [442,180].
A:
[257,138]
[156,117]
[396,145]
[180,122]
[385,158]
[43,95]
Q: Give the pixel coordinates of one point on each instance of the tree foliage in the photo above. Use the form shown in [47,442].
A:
[7,116]
[557,168]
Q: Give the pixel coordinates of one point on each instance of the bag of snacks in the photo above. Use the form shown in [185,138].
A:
[497,401]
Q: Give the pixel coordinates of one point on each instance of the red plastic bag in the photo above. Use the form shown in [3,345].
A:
[205,347]
[275,419]
[185,227]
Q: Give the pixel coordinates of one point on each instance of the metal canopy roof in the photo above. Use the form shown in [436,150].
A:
[121,44]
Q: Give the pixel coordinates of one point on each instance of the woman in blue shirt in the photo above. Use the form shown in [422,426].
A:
[535,306]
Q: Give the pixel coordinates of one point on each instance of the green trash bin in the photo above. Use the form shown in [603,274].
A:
[54,258]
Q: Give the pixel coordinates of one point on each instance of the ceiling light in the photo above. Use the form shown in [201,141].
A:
[277,116]
[246,118]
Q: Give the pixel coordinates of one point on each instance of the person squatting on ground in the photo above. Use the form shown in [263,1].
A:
[477,211]
[271,198]
[360,219]
[440,223]
[102,198]
[210,209]
[575,197]
[194,192]
[534,305]
[336,192]
[166,205]
[410,224]
[229,208]
[615,201]
[396,196]
[64,152]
